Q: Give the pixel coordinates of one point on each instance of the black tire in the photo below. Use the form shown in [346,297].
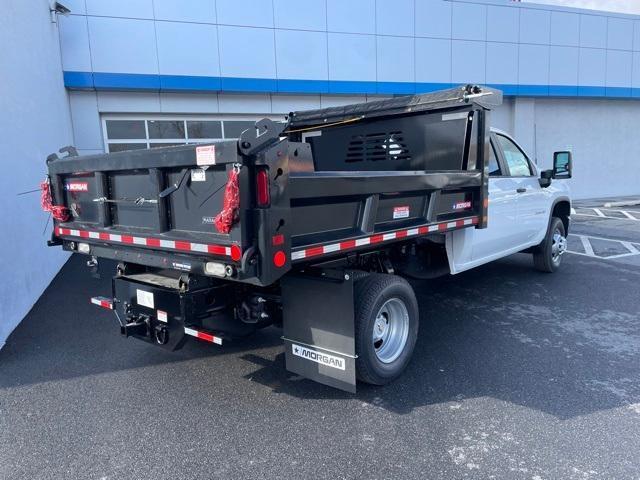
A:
[371,293]
[545,258]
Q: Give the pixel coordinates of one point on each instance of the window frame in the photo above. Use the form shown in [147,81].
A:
[177,117]
[532,167]
[498,158]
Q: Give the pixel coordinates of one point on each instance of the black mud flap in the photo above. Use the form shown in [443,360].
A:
[318,322]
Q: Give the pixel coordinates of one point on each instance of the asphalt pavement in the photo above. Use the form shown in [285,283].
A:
[516,375]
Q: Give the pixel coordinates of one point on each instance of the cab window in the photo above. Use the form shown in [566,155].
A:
[516,160]
[494,166]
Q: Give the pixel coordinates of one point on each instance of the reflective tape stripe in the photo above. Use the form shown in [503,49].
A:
[298,255]
[179,245]
[203,336]
[103,302]
[198,247]
[318,250]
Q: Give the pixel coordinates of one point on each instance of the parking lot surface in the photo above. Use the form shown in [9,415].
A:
[517,375]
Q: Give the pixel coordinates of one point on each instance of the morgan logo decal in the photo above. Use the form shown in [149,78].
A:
[461,205]
[77,187]
[181,266]
[401,212]
[318,357]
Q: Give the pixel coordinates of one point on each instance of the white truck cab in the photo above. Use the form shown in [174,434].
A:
[523,207]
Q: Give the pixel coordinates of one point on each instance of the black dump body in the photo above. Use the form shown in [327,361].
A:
[339,180]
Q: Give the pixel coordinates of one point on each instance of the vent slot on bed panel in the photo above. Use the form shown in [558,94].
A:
[377,146]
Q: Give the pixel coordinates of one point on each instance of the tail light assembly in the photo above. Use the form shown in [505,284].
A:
[263,195]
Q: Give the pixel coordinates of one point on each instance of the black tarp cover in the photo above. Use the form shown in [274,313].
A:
[451,98]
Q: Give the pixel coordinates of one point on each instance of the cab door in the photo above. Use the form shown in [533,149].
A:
[502,231]
[532,199]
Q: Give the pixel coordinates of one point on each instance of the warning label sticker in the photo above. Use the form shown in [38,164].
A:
[144,298]
[206,155]
[198,175]
[401,212]
[318,357]
[77,187]
[162,316]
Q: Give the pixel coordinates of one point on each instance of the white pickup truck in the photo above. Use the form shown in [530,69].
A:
[527,211]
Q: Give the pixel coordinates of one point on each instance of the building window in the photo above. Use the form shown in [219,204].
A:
[132,133]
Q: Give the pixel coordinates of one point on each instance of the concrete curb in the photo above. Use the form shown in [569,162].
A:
[625,203]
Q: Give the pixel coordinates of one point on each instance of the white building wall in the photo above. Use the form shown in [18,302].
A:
[601,134]
[35,122]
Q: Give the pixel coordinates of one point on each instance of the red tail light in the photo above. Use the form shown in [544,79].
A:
[263,196]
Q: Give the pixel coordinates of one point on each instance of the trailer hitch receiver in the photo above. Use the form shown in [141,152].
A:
[136,325]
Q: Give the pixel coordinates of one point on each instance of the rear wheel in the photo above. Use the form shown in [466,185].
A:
[548,255]
[386,324]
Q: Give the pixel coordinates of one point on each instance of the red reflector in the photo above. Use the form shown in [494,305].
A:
[279,258]
[277,239]
[236,253]
[263,197]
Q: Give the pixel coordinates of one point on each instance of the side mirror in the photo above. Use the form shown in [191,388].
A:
[562,165]
[545,178]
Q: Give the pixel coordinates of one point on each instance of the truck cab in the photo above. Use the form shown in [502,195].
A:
[523,201]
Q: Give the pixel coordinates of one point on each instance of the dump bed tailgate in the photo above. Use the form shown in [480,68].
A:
[160,199]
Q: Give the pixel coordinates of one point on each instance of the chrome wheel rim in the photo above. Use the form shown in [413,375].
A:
[558,246]
[390,330]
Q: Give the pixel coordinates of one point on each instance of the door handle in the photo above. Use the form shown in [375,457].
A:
[521,190]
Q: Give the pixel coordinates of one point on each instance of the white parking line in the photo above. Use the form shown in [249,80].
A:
[589,252]
[602,213]
[629,246]
[588,249]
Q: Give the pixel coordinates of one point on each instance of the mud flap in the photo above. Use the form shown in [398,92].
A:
[318,323]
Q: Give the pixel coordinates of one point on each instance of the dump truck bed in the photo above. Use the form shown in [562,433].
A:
[328,183]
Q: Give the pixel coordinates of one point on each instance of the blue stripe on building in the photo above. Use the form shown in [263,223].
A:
[173,83]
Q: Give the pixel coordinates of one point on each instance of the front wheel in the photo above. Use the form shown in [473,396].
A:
[386,323]
[548,255]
